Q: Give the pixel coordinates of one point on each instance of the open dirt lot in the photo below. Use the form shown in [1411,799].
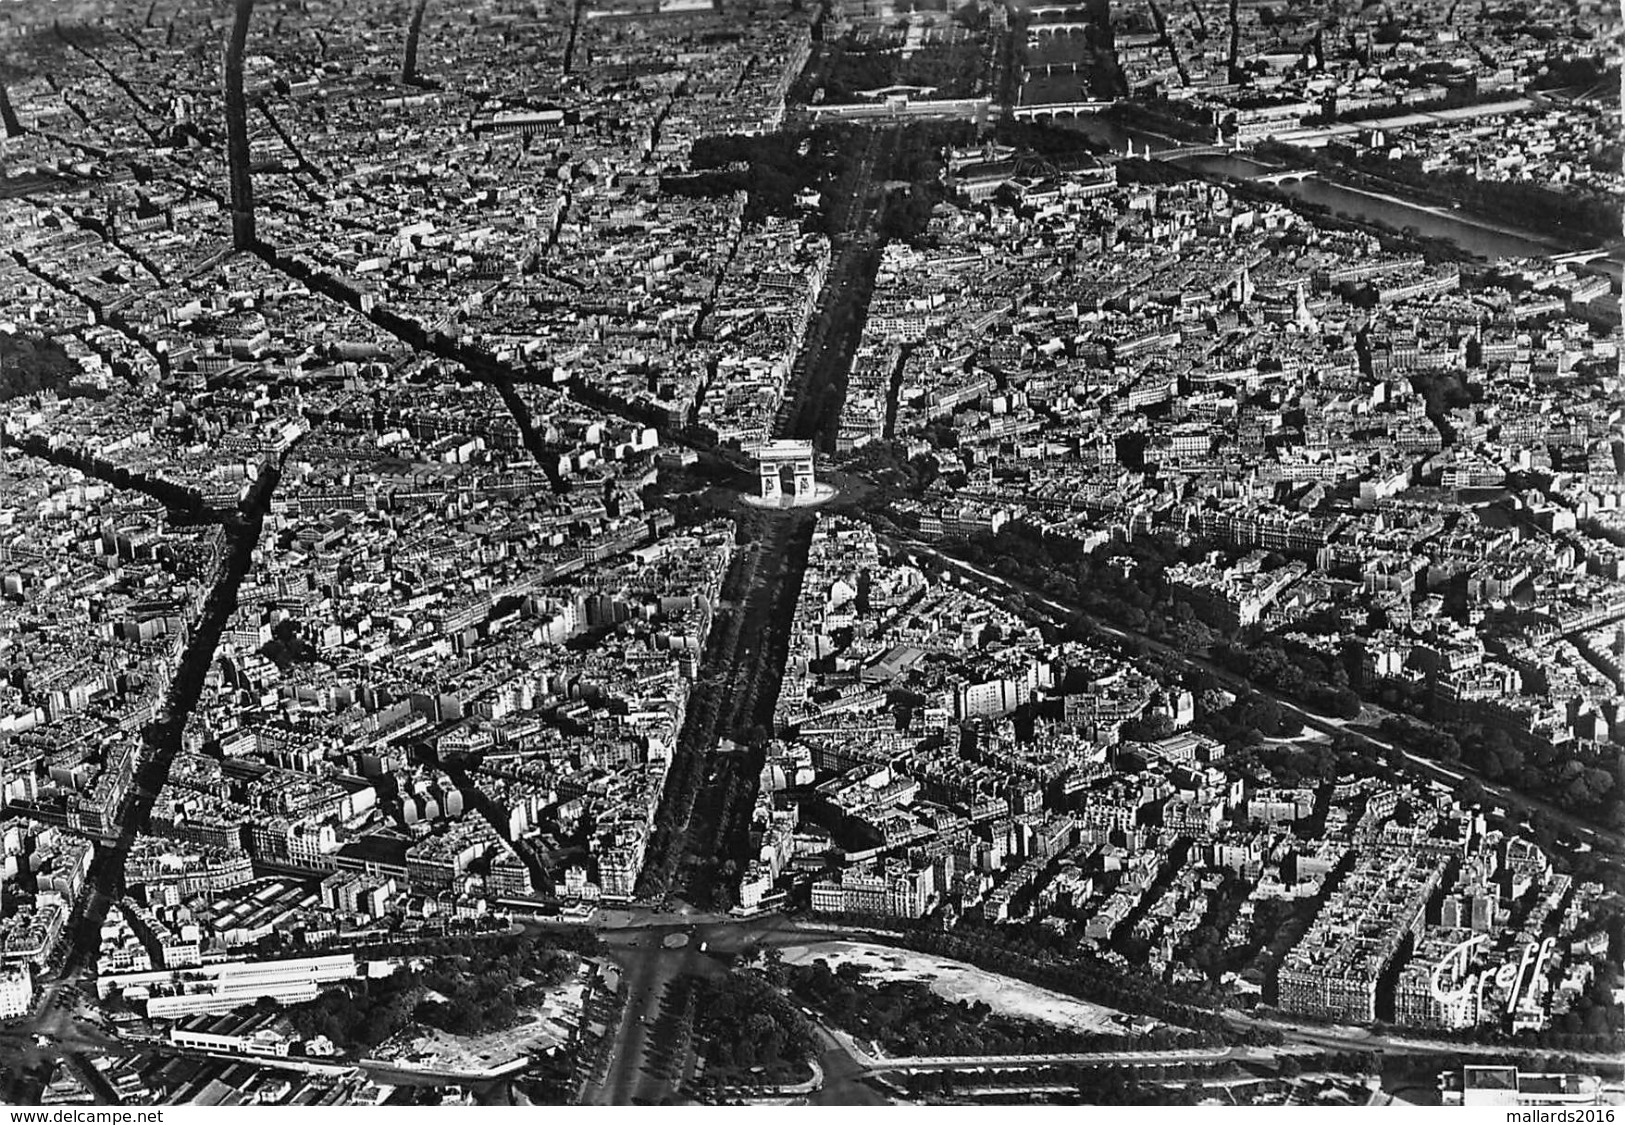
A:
[956,981]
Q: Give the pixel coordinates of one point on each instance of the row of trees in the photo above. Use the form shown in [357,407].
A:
[1429,1066]
[1110,1085]
[702,726]
[706,806]
[185,505]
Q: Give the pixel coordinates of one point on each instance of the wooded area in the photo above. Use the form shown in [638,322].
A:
[30,365]
[465,988]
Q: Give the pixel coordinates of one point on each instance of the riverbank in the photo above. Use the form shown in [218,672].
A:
[1363,200]
[1319,135]
[1359,197]
[1450,214]
[1466,218]
[1505,209]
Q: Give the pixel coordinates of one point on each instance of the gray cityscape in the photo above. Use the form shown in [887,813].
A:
[812,552]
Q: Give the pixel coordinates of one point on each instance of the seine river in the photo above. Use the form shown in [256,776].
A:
[1482,237]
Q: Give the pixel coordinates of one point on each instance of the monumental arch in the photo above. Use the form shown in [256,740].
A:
[773,457]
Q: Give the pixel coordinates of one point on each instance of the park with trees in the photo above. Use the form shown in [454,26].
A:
[772,169]
[1588,779]
[466,987]
[30,366]
[751,1034]
[1129,590]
